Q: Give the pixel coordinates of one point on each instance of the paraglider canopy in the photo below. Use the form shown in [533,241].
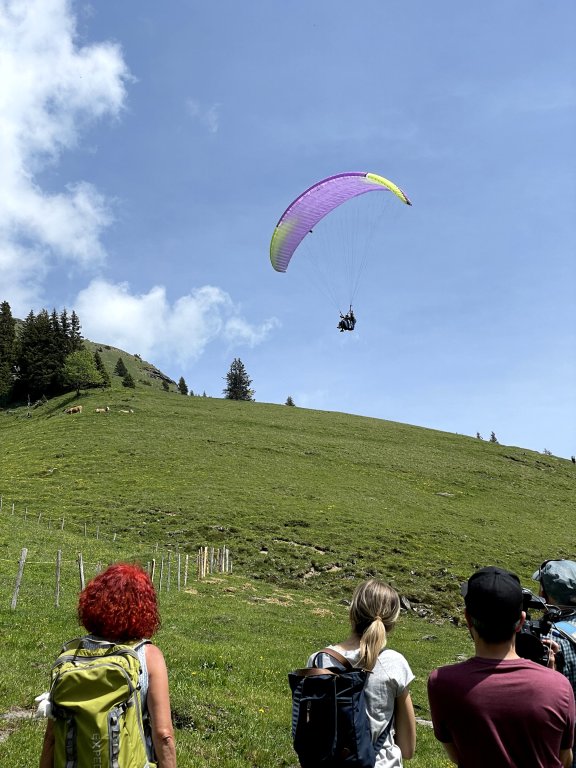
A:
[302,215]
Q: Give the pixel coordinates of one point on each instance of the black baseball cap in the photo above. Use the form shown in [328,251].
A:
[493,595]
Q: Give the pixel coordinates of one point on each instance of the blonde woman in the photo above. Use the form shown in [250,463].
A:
[373,614]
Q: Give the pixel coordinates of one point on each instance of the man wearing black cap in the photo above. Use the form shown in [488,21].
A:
[497,710]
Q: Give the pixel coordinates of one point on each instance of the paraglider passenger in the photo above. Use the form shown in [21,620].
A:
[347,321]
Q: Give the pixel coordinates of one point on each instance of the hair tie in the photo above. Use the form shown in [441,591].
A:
[378,618]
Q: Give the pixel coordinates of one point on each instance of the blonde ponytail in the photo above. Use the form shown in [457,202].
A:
[373,613]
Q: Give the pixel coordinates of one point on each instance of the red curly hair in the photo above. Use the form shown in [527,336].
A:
[120,604]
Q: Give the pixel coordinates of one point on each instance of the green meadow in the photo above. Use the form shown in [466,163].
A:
[307,502]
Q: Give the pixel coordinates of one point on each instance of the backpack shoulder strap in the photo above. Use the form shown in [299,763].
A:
[141,643]
[74,644]
[340,658]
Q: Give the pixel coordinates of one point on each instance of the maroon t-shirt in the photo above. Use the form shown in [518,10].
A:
[502,714]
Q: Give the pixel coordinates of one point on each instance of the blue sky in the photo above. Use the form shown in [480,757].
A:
[148,150]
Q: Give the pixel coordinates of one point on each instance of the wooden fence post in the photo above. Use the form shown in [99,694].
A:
[161,575]
[169,571]
[179,565]
[23,555]
[81,569]
[186,570]
[62,525]
[152,574]
[58,567]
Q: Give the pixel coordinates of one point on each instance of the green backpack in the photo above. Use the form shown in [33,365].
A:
[97,707]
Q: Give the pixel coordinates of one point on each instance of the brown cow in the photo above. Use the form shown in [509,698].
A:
[74,409]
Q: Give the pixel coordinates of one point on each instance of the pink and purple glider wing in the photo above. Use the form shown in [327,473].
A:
[306,211]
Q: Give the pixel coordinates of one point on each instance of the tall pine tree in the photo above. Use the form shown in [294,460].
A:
[101,368]
[238,382]
[65,329]
[7,351]
[39,370]
[75,335]
[120,368]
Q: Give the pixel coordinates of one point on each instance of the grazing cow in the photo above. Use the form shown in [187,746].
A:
[122,410]
[74,409]
[102,410]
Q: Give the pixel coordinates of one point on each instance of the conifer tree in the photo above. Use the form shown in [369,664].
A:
[120,369]
[7,351]
[493,438]
[182,387]
[65,329]
[128,381]
[289,401]
[101,368]
[75,335]
[59,349]
[238,382]
[40,369]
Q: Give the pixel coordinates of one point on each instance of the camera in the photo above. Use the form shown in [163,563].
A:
[529,643]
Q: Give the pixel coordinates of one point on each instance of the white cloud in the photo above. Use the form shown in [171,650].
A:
[50,87]
[208,116]
[148,325]
[237,331]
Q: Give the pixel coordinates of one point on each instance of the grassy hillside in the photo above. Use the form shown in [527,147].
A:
[300,497]
[307,502]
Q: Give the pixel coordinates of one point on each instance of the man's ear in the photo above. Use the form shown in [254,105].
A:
[468,619]
[521,621]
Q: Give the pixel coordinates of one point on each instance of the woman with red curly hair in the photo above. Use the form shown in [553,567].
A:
[120,606]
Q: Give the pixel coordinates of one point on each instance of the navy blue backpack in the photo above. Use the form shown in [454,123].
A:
[330,727]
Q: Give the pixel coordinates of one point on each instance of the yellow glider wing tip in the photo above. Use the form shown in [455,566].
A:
[389,185]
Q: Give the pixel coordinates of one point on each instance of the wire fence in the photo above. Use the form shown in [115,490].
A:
[56,577]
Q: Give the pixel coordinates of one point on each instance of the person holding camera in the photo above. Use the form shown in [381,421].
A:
[557,580]
[497,709]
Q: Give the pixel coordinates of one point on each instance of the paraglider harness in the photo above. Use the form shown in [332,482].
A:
[347,321]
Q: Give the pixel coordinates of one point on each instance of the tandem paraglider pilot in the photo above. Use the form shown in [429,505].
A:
[347,321]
